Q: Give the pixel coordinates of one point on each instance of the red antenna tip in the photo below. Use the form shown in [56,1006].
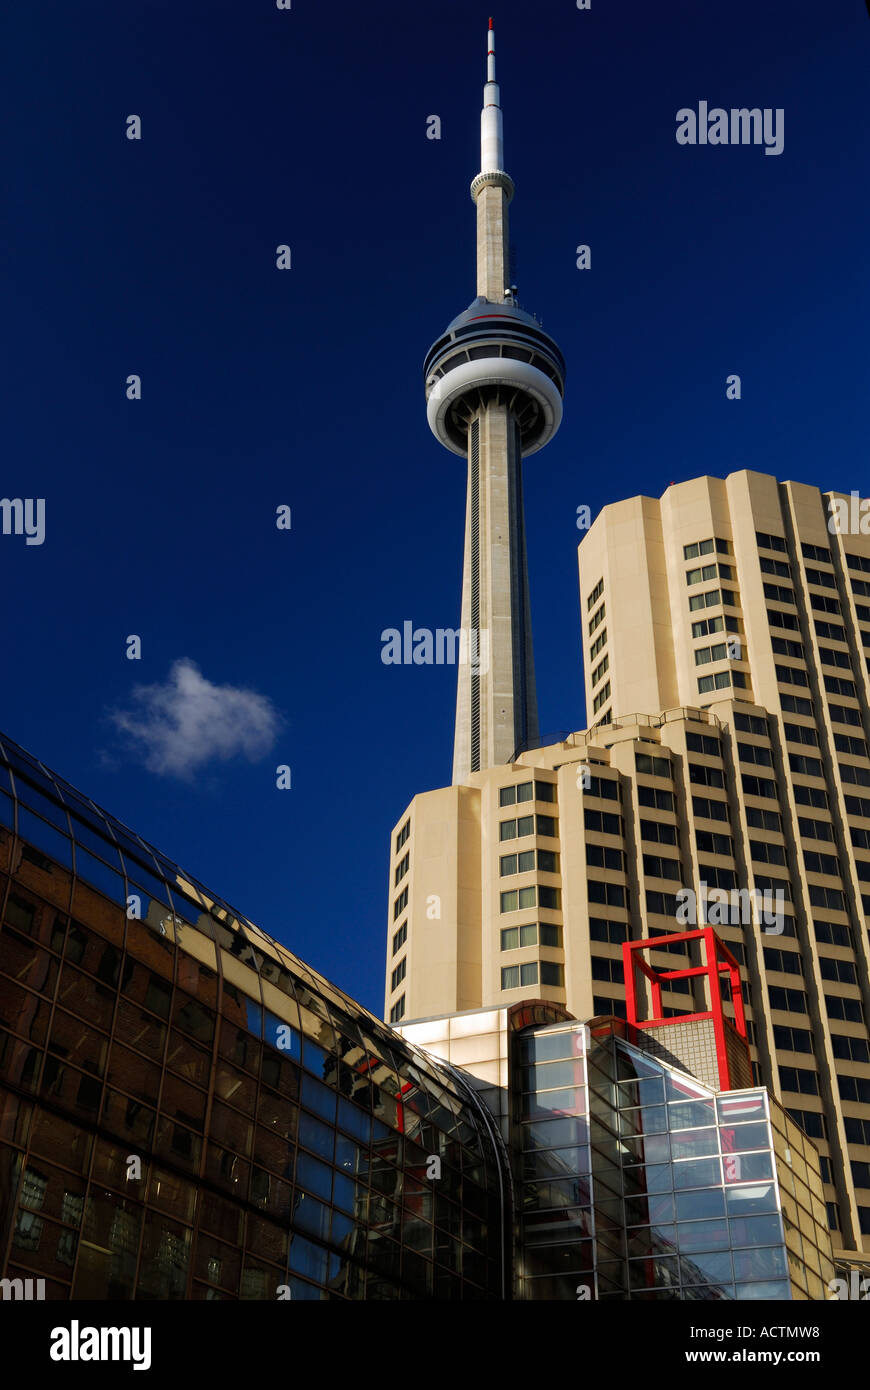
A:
[490,22]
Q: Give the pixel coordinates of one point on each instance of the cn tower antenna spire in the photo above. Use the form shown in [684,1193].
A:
[491,132]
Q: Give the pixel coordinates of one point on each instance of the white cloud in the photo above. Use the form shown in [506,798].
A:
[188,723]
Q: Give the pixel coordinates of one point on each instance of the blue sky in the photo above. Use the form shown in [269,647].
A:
[304,387]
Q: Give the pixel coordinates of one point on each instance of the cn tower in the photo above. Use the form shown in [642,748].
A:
[494,387]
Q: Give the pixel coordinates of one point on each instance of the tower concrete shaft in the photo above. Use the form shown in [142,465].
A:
[493,267]
[496,705]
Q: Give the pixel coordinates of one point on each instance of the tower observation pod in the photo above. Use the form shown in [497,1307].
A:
[494,386]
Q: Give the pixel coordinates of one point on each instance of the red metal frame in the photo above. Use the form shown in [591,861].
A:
[717,959]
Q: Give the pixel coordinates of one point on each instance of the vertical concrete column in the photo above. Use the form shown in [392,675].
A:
[496,707]
[493,268]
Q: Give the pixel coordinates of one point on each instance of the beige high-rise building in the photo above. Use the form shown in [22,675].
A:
[725,777]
